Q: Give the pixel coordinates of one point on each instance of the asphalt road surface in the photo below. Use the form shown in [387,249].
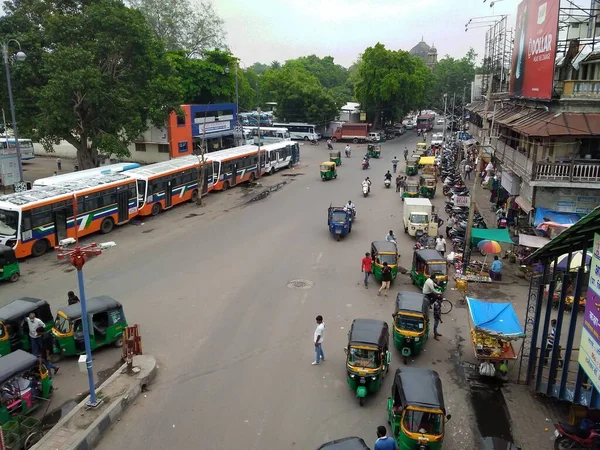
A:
[234,342]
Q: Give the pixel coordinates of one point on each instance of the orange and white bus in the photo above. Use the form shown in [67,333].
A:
[233,166]
[166,184]
[32,222]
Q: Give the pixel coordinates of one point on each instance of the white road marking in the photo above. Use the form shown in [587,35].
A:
[319,257]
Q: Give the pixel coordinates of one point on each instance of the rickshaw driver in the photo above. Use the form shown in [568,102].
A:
[430,289]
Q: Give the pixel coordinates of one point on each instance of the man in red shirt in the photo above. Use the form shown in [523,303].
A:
[365,266]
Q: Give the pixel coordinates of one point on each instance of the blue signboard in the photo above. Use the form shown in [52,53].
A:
[213,120]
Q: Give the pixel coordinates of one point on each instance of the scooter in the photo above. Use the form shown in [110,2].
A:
[387,182]
[365,189]
[568,436]
[365,164]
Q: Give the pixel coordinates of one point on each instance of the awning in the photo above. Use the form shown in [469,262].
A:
[563,124]
[495,319]
[523,204]
[493,234]
[532,241]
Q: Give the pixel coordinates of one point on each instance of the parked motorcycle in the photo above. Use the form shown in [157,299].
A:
[570,437]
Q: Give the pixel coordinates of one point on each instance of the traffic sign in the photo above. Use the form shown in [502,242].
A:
[462,200]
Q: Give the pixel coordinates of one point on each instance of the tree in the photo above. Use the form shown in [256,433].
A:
[182,25]
[259,68]
[95,75]
[450,76]
[332,76]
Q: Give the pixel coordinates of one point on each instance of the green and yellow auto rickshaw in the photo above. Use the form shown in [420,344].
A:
[416,409]
[427,186]
[9,266]
[374,150]
[328,170]
[411,323]
[367,356]
[24,383]
[412,167]
[426,263]
[336,157]
[421,148]
[14,331]
[106,321]
[411,189]
[384,251]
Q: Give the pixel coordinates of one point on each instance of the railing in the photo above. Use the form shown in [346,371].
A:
[573,171]
[514,161]
[581,88]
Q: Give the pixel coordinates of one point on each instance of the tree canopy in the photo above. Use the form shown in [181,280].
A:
[451,76]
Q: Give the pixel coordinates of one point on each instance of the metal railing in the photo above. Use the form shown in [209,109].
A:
[581,88]
[573,171]
[515,161]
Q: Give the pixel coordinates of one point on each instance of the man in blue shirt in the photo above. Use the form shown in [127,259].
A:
[496,269]
[384,442]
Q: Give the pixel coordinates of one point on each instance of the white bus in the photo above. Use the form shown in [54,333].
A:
[268,134]
[280,155]
[26,146]
[300,131]
[82,174]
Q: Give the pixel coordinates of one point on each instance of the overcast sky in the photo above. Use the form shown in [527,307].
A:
[267,30]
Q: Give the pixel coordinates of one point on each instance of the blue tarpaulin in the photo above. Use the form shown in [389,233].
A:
[496,319]
[547,215]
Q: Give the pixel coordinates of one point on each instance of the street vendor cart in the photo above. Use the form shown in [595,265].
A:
[494,327]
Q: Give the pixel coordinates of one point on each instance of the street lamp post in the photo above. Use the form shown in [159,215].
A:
[19,56]
[445,118]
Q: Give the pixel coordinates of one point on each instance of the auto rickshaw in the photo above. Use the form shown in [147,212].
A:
[411,189]
[328,170]
[428,165]
[384,251]
[411,323]
[416,409]
[24,383]
[367,356]
[427,186]
[14,331]
[348,443]
[336,157]
[9,266]
[422,148]
[412,166]
[106,321]
[339,221]
[427,262]
[374,151]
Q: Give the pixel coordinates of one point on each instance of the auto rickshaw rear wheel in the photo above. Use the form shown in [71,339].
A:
[405,359]
[119,342]
[14,277]
[337,237]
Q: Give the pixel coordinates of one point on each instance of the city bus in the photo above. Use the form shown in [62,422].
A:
[269,134]
[235,165]
[252,119]
[299,131]
[425,122]
[168,183]
[82,174]
[280,155]
[34,221]
[25,145]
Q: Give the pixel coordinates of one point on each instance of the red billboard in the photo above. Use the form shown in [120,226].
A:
[534,53]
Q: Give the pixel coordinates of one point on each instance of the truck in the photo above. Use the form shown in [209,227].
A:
[355,132]
[419,218]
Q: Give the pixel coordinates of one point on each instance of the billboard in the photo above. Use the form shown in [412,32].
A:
[534,52]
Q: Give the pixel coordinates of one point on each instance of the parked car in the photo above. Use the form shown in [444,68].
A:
[440,121]
[410,125]
[391,132]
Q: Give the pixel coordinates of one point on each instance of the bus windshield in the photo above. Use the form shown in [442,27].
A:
[9,222]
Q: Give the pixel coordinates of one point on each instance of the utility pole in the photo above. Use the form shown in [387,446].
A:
[445,117]
[453,112]
[462,118]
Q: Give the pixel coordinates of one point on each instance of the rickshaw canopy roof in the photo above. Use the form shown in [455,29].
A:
[419,387]
[421,144]
[8,253]
[369,331]
[428,254]
[94,305]
[328,164]
[412,160]
[334,153]
[15,363]
[349,443]
[428,177]
[411,183]
[495,319]
[21,307]
[413,302]
[384,246]
[427,160]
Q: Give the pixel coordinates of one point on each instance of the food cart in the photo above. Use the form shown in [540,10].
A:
[494,326]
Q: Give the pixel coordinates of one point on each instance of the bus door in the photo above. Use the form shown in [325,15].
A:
[234,173]
[123,205]
[60,224]
[169,193]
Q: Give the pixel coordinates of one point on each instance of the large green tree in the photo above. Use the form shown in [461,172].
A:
[390,83]
[95,74]
[332,76]
[452,76]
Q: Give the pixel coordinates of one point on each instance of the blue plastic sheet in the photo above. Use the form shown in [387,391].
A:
[496,319]
[548,215]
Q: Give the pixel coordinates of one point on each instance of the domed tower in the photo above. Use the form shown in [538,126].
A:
[421,50]
[431,57]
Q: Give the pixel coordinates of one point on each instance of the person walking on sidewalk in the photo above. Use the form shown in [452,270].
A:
[318,340]
[386,279]
[440,245]
[395,162]
[437,317]
[366,265]
[59,164]
[468,169]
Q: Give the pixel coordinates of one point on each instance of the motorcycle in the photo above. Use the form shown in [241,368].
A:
[365,188]
[365,164]
[568,436]
[387,182]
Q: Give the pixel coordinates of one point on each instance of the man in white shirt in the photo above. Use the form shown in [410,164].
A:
[36,341]
[429,290]
[318,340]
[440,244]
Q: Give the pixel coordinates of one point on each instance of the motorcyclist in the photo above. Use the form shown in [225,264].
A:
[329,146]
[365,160]
[347,149]
[350,206]
[405,153]
[391,238]
[367,182]
[388,176]
[430,289]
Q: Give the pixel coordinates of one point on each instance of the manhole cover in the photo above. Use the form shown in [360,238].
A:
[300,284]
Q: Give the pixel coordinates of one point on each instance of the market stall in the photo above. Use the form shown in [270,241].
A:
[493,328]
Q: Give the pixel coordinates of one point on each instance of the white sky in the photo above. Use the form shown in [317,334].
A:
[267,30]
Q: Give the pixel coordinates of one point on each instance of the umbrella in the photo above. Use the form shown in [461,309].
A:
[489,247]
[576,260]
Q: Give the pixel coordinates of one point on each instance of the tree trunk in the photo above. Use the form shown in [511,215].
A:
[87,157]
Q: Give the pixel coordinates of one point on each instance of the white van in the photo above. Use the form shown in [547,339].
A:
[374,137]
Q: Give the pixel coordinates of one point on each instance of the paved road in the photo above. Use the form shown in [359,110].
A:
[234,342]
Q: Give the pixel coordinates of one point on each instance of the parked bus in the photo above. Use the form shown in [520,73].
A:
[166,184]
[252,119]
[269,134]
[281,155]
[425,122]
[235,165]
[25,145]
[32,222]
[82,174]
[300,131]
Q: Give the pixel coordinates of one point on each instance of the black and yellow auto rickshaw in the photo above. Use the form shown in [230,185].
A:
[367,356]
[336,157]
[374,150]
[106,324]
[427,262]
[384,251]
[412,167]
[14,331]
[9,266]
[411,188]
[416,409]
[411,323]
[427,186]
[328,170]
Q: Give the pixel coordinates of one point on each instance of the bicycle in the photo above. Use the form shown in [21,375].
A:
[446,306]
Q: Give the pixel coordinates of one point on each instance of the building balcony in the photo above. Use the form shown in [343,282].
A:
[576,171]
[581,89]
[515,161]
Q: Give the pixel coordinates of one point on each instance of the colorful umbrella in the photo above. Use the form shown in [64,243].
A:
[489,247]
[576,261]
